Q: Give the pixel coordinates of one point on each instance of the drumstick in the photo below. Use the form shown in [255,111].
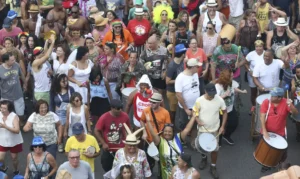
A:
[216,137]
[205,129]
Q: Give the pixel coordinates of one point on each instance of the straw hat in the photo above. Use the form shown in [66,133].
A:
[100,21]
[33,8]
[156,98]
[63,174]
[281,22]
[211,3]
[131,138]
[94,11]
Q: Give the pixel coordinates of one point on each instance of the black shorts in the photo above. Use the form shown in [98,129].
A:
[158,83]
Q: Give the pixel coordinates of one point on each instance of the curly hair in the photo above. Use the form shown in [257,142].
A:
[225,78]
[158,10]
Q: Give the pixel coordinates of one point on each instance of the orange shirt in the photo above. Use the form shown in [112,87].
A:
[162,117]
[118,41]
[200,55]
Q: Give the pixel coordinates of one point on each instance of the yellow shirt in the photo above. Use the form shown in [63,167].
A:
[72,143]
[263,16]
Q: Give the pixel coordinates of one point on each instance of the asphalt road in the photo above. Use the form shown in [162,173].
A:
[234,162]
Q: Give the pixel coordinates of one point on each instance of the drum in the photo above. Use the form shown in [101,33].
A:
[296,117]
[153,151]
[206,143]
[228,31]
[91,150]
[125,94]
[278,51]
[269,152]
[259,101]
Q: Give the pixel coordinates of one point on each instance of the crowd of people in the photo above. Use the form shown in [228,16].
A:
[74,71]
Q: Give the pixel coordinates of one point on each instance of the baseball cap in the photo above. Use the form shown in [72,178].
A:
[211,89]
[193,62]
[7,23]
[77,128]
[138,2]
[12,14]
[186,158]
[38,140]
[180,48]
[277,92]
[18,177]
[115,103]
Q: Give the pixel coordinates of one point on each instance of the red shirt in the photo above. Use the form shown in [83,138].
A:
[200,55]
[276,120]
[113,130]
[139,30]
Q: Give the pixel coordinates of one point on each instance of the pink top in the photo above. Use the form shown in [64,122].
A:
[13,34]
[101,33]
[210,43]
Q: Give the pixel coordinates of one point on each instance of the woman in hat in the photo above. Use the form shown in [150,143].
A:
[46,124]
[169,144]
[100,29]
[184,168]
[112,16]
[162,14]
[280,36]
[111,65]
[133,155]
[121,37]
[22,37]
[10,135]
[39,162]
[79,73]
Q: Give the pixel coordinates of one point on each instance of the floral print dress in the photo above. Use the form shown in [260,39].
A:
[140,163]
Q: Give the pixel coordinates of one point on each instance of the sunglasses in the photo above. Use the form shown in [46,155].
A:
[209,28]
[169,125]
[164,14]
[117,27]
[38,146]
[75,157]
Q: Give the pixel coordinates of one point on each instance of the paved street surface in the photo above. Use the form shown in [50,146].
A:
[234,162]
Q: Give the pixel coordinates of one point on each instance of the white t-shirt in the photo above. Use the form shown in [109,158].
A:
[253,58]
[268,75]
[208,112]
[229,100]
[236,7]
[57,67]
[189,87]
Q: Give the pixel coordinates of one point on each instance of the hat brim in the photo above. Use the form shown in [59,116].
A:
[181,50]
[282,25]
[104,22]
[6,25]
[77,132]
[155,100]
[33,11]
[139,13]
[212,5]
[131,143]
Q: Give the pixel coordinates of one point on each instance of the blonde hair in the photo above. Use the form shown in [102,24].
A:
[159,9]
[259,42]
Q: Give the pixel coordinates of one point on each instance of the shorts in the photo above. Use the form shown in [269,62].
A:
[172,99]
[19,106]
[182,119]
[42,95]
[198,145]
[235,21]
[158,83]
[15,149]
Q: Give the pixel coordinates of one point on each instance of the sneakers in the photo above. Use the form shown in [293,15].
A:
[3,169]
[16,172]
[60,148]
[203,163]
[213,172]
[228,140]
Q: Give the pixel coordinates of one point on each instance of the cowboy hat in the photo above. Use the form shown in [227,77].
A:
[34,8]
[211,3]
[281,22]
[131,138]
[100,21]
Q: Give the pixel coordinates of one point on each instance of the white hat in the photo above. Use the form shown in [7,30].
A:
[156,98]
[281,22]
[131,137]
[193,62]
[211,3]
[139,11]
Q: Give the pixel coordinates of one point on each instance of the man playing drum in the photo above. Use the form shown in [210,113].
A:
[273,114]
[207,108]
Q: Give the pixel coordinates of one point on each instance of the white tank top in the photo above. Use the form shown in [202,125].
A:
[7,138]
[215,20]
[42,82]
[74,118]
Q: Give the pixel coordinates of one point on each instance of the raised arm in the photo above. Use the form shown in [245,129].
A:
[39,61]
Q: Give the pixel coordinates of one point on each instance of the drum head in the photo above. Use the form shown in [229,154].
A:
[276,141]
[262,97]
[207,142]
[152,150]
[91,150]
[127,91]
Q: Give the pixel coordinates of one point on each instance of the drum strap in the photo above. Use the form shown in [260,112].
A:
[154,119]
